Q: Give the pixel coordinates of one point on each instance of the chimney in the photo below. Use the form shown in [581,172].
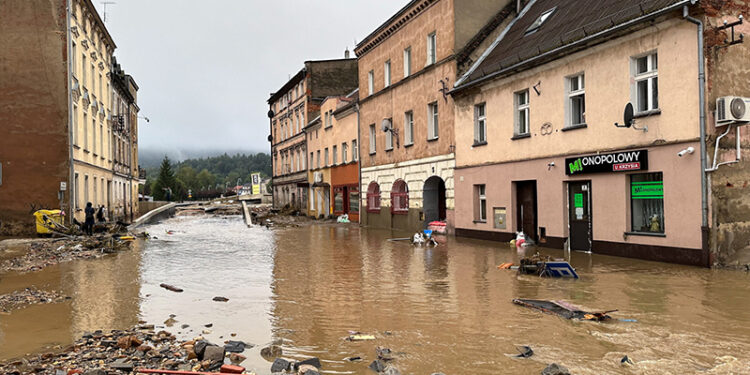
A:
[346,53]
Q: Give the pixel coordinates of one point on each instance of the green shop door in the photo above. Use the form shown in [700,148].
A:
[579,218]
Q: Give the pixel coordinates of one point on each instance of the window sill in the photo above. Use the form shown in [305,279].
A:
[86,151]
[646,234]
[400,212]
[520,136]
[574,127]
[432,139]
[480,221]
[409,144]
[77,147]
[373,211]
[372,153]
[389,149]
[652,112]
[476,144]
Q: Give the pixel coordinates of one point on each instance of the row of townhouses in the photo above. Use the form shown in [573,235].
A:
[607,126]
[69,114]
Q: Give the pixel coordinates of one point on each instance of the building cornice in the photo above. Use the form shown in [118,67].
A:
[393,24]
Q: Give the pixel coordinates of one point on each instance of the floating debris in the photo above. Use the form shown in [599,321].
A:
[563,309]
[171,288]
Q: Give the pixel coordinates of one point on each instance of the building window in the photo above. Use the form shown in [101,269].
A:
[354,200]
[83,70]
[335,155]
[101,138]
[77,193]
[318,163]
[387,73]
[576,107]
[338,200]
[431,48]
[312,160]
[355,150]
[85,131]
[389,137]
[373,133]
[373,197]
[371,82]
[539,21]
[407,62]
[522,112]
[326,156]
[432,121]
[75,124]
[73,57]
[312,198]
[400,197]
[408,128]
[480,203]
[480,124]
[344,156]
[645,87]
[647,202]
[86,189]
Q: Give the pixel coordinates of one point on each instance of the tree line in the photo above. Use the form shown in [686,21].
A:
[204,178]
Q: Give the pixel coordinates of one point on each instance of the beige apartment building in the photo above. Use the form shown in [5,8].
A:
[406,68]
[56,144]
[543,146]
[333,171]
[292,107]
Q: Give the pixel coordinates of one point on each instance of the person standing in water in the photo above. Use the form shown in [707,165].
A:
[88,225]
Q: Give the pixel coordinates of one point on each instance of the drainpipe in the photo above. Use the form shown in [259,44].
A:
[702,105]
[71,177]
[359,163]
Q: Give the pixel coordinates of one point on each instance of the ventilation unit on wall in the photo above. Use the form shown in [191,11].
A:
[318,177]
[731,109]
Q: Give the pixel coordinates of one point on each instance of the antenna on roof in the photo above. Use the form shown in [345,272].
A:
[105,3]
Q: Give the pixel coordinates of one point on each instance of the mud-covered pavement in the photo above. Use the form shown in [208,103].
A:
[446,309]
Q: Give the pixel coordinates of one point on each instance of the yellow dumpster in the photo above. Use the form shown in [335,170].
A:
[44,218]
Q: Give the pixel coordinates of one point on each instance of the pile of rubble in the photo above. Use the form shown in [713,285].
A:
[28,296]
[35,254]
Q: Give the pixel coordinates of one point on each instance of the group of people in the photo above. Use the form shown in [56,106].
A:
[93,215]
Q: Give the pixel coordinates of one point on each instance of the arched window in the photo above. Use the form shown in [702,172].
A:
[400,197]
[373,197]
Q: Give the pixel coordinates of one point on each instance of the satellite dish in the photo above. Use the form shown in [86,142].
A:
[270,113]
[627,117]
[386,125]
[270,138]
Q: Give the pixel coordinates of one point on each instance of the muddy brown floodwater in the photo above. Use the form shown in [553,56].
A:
[446,309]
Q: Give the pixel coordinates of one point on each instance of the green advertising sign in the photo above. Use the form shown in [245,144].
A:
[647,190]
[578,200]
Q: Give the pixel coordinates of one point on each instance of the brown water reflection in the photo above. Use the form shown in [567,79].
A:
[446,309]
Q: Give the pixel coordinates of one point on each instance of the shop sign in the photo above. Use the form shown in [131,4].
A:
[614,162]
[647,190]
[578,200]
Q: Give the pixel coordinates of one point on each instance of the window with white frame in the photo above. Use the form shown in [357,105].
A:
[371,82]
[344,156]
[408,128]
[387,73]
[645,86]
[326,157]
[522,112]
[576,100]
[85,130]
[431,48]
[432,121]
[335,155]
[355,150]
[480,203]
[75,124]
[389,138]
[407,62]
[480,124]
[373,133]
[73,57]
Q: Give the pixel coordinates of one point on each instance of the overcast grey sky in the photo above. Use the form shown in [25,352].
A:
[206,68]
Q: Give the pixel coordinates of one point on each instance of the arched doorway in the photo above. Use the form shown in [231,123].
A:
[434,199]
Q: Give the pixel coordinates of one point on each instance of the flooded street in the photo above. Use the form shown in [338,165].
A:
[446,309]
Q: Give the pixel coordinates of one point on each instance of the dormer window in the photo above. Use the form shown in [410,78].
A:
[539,21]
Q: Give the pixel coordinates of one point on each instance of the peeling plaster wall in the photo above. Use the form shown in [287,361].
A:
[727,73]
[34,149]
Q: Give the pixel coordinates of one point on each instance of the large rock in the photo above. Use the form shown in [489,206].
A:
[271,352]
[390,370]
[214,353]
[280,365]
[555,369]
[315,362]
[377,366]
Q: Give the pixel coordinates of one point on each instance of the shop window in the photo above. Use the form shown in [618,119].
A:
[400,197]
[645,83]
[480,203]
[338,201]
[373,197]
[647,202]
[354,200]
